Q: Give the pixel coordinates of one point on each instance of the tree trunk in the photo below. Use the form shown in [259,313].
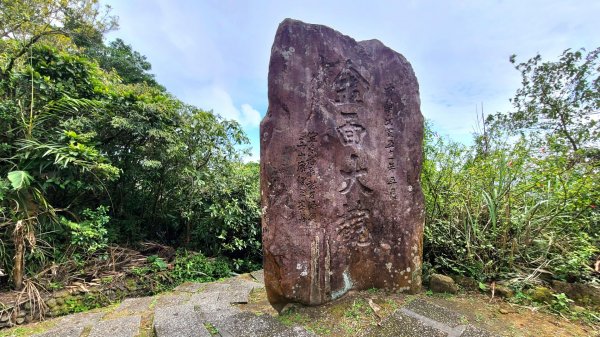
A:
[19,242]
[187,234]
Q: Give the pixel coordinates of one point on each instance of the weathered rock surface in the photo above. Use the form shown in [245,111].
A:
[503,291]
[465,282]
[582,294]
[442,284]
[341,155]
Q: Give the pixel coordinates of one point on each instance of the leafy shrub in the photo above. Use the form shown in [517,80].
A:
[157,263]
[89,235]
[510,211]
[229,221]
[190,266]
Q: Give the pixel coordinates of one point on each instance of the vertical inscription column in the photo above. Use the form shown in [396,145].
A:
[390,144]
[306,176]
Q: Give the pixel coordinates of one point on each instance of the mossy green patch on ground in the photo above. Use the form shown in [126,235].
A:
[146,326]
[347,316]
[28,330]
[211,329]
[40,327]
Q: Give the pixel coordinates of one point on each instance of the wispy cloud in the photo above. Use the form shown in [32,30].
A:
[220,102]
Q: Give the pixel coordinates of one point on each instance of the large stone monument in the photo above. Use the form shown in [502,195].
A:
[341,155]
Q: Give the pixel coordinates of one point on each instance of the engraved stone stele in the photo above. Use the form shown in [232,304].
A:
[341,155]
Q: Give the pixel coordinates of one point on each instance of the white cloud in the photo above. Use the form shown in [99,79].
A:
[220,102]
[253,157]
[214,54]
[250,115]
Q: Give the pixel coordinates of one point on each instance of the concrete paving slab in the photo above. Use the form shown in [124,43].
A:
[400,324]
[423,318]
[235,297]
[436,312]
[72,325]
[168,300]
[135,305]
[215,313]
[246,324]
[240,282]
[295,332]
[215,287]
[259,276]
[472,331]
[180,320]
[190,287]
[84,319]
[208,301]
[69,331]
[128,326]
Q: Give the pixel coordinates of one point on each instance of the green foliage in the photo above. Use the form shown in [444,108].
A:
[560,303]
[523,199]
[557,101]
[189,266]
[230,216]
[118,56]
[157,263]
[83,124]
[89,235]
[19,179]
[508,212]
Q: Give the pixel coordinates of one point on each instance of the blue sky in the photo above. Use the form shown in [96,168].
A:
[215,54]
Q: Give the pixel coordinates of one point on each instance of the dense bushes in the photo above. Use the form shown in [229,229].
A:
[84,126]
[522,203]
[510,213]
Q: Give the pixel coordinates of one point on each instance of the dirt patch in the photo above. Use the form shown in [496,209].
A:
[509,319]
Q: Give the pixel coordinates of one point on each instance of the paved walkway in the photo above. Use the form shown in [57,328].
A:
[206,310]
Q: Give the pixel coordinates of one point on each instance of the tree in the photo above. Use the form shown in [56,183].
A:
[131,66]
[84,126]
[41,154]
[24,23]
[559,102]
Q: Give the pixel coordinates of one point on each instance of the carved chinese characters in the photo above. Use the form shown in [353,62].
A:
[306,174]
[341,156]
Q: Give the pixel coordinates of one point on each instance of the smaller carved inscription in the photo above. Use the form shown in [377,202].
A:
[353,226]
[306,174]
[390,141]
